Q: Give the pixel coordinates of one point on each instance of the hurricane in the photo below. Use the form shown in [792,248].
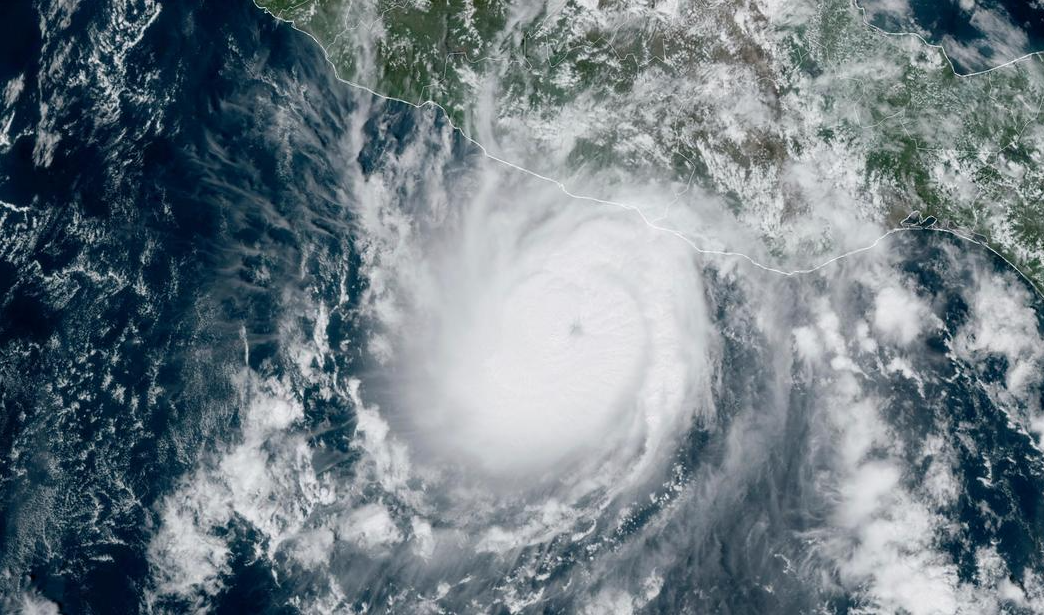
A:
[552,307]
[544,333]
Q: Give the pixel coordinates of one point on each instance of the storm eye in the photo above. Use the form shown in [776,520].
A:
[557,344]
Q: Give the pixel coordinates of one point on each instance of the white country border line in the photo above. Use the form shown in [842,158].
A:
[636,209]
[946,56]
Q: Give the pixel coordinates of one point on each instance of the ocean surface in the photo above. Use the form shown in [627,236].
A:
[174,207]
[159,203]
[977,34]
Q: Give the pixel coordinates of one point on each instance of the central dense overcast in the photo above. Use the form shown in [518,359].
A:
[575,307]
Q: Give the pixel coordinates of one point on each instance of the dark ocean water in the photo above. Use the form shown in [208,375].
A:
[976,26]
[1005,510]
[169,223]
[194,200]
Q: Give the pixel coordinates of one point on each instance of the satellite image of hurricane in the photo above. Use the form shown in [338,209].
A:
[522,306]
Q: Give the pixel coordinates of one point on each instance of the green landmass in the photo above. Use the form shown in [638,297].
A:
[785,115]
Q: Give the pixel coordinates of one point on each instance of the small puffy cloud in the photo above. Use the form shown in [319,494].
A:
[899,314]
[1003,323]
[369,527]
[806,340]
[313,548]
[824,340]
[610,602]
[423,538]
[34,604]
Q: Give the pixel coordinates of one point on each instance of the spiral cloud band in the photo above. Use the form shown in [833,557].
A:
[554,335]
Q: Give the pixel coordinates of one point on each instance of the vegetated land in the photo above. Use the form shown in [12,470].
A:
[790,114]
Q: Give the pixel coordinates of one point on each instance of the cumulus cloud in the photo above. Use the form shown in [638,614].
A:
[1000,39]
[266,478]
[888,523]
[883,540]
[31,603]
[899,314]
[1003,323]
[369,527]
